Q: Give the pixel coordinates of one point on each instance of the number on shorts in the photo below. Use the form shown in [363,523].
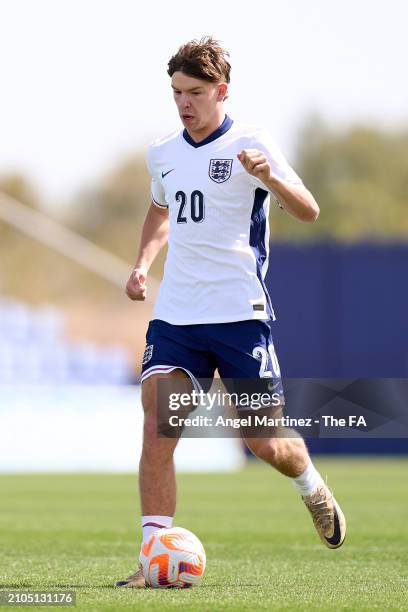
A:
[260,353]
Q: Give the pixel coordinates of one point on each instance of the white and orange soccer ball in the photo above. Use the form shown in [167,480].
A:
[173,558]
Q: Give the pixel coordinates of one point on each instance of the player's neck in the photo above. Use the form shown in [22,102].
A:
[203,133]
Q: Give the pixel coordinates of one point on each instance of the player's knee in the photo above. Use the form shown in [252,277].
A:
[156,450]
[266,449]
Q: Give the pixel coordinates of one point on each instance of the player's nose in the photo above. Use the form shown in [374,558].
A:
[185,102]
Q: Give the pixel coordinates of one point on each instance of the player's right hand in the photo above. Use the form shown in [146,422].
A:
[136,285]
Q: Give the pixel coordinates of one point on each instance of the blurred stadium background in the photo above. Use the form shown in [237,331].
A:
[339,286]
[84,90]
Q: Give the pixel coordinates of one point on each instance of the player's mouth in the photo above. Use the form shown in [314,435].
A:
[187,117]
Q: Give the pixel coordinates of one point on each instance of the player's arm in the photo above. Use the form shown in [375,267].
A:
[154,236]
[294,198]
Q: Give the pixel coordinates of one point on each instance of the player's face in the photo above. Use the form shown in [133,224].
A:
[199,102]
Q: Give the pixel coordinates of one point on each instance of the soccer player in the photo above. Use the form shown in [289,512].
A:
[211,183]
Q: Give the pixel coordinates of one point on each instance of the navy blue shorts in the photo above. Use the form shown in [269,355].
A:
[239,350]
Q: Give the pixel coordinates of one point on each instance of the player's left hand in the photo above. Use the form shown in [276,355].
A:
[256,163]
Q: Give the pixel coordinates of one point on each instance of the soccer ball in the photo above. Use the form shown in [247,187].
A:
[173,558]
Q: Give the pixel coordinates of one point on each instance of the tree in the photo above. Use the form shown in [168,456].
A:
[112,212]
[359,177]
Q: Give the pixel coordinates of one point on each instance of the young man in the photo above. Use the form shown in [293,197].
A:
[211,183]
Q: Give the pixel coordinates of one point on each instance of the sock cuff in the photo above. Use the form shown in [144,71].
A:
[308,481]
[309,471]
[154,520]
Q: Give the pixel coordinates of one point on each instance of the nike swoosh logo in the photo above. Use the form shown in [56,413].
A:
[166,173]
[334,540]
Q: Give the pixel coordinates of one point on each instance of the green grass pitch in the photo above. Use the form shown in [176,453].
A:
[81,532]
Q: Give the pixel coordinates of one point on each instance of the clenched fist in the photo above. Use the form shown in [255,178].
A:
[256,163]
[136,285]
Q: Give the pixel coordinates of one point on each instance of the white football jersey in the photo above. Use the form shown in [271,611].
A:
[219,233]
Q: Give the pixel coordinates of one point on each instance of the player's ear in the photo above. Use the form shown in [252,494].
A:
[222,92]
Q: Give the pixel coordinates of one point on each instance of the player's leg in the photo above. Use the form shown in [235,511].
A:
[245,350]
[157,481]
[173,353]
[173,359]
[289,456]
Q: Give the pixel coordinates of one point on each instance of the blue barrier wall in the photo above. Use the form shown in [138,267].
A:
[342,312]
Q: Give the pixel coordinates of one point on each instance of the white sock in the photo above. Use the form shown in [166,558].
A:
[152,523]
[307,483]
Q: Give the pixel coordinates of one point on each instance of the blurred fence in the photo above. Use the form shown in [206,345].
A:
[76,428]
[342,313]
[34,350]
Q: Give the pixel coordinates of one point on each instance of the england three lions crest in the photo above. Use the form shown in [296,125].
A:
[148,354]
[220,170]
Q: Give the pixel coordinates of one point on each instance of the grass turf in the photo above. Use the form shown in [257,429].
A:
[80,532]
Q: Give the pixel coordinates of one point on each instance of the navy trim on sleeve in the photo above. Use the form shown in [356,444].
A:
[158,203]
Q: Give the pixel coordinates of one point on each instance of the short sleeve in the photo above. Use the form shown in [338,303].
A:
[280,167]
[157,190]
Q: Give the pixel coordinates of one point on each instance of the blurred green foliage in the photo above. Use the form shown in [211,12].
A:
[359,177]
[111,213]
[18,187]
[31,270]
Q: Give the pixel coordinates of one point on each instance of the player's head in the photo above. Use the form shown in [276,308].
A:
[200,73]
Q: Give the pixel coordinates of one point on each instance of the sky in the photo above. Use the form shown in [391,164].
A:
[84,84]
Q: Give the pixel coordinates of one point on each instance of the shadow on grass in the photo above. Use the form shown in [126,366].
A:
[29,585]
[37,587]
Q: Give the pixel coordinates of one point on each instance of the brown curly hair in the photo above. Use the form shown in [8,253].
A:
[203,59]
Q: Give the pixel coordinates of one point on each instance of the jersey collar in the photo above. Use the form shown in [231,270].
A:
[224,127]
